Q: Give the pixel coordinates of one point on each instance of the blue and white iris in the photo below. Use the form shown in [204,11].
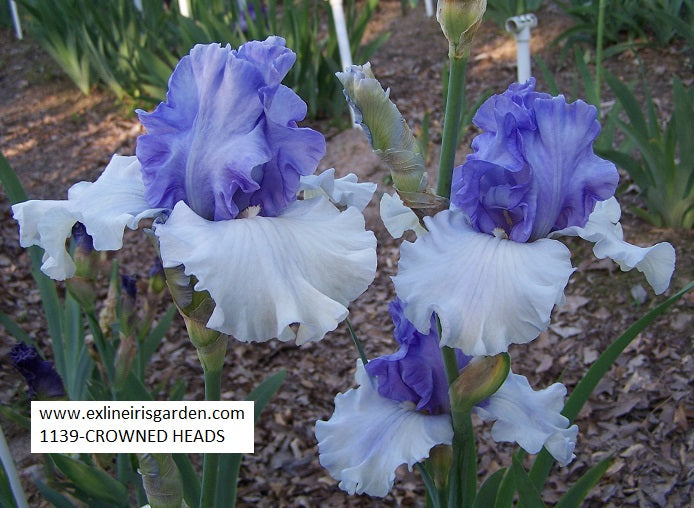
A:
[219,169]
[401,410]
[490,267]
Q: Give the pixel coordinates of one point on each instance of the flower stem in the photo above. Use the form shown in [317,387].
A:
[463,474]
[598,52]
[451,123]
[357,342]
[450,362]
[210,461]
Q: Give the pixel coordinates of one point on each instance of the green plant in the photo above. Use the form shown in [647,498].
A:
[132,52]
[500,10]
[652,21]
[664,167]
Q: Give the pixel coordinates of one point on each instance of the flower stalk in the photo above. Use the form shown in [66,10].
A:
[451,124]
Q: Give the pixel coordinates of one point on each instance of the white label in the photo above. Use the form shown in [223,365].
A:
[142,427]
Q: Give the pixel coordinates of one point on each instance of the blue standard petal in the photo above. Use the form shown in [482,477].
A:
[226,137]
[414,373]
[533,170]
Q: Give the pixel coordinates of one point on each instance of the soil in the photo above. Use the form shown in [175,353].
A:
[641,413]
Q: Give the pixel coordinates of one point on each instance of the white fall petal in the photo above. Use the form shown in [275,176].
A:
[105,207]
[398,218]
[369,436]
[266,274]
[531,418]
[345,191]
[488,292]
[603,228]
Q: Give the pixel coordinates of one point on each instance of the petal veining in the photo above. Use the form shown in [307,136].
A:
[488,292]
[226,137]
[533,169]
[266,274]
[368,437]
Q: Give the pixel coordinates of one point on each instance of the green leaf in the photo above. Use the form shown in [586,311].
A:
[487,495]
[53,496]
[92,481]
[507,489]
[49,296]
[227,479]
[547,75]
[15,330]
[191,482]
[579,490]
[13,187]
[152,341]
[262,393]
[597,371]
[528,494]
[230,463]
[6,496]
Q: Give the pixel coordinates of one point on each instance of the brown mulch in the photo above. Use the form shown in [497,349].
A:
[642,412]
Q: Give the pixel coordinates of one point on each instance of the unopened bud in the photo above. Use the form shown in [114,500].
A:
[128,295]
[196,308]
[125,357]
[81,284]
[440,459]
[109,312]
[161,480]
[157,278]
[385,128]
[480,379]
[459,20]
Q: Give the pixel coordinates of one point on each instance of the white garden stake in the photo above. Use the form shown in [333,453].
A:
[429,8]
[520,27]
[184,7]
[341,31]
[342,39]
[15,20]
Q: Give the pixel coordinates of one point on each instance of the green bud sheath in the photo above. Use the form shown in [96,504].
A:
[385,128]
[196,308]
[459,20]
[440,459]
[480,379]
[161,480]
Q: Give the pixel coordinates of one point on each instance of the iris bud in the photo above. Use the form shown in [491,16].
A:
[196,308]
[161,480]
[480,379]
[459,20]
[385,128]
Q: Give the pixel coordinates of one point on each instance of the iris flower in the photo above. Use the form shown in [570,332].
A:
[490,267]
[43,380]
[401,410]
[219,170]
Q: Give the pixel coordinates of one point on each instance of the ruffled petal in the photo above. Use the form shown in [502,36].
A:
[369,436]
[226,137]
[488,292]
[398,218]
[266,274]
[531,418]
[561,155]
[533,170]
[345,191]
[105,207]
[657,263]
